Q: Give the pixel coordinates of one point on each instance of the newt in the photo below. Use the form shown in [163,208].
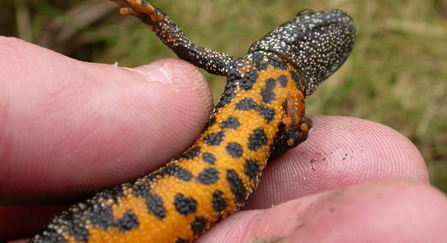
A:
[260,115]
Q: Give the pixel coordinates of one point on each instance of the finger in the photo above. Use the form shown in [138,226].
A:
[401,210]
[69,128]
[19,222]
[340,152]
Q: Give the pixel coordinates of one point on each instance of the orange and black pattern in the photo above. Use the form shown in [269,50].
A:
[259,117]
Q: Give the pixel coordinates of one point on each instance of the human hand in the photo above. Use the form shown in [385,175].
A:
[69,128]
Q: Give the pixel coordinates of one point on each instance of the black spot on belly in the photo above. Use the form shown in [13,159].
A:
[214,139]
[219,201]
[282,80]
[179,240]
[101,217]
[249,104]
[128,222]
[153,202]
[209,158]
[248,81]
[267,112]
[208,176]
[185,205]
[251,168]
[236,185]
[177,171]
[267,92]
[191,154]
[230,123]
[198,225]
[234,150]
[257,139]
[246,105]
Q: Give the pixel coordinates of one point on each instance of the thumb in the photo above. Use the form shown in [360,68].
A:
[69,128]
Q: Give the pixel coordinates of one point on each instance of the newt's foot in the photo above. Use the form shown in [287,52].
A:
[173,37]
[295,125]
[299,132]
[150,15]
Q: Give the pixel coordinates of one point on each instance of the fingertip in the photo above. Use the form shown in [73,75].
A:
[170,70]
[183,75]
[375,148]
[340,152]
[402,210]
[399,209]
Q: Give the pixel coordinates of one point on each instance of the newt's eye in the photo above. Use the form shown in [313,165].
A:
[304,12]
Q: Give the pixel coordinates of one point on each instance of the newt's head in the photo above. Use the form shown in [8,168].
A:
[317,43]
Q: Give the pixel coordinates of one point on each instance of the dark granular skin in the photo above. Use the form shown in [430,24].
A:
[259,117]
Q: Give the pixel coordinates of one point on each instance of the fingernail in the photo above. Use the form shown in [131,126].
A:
[154,73]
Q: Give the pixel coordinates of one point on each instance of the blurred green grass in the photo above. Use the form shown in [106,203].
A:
[396,75]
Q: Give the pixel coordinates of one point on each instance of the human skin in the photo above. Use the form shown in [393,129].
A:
[71,128]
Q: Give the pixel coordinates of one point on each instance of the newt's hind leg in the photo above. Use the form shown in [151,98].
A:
[172,36]
[295,125]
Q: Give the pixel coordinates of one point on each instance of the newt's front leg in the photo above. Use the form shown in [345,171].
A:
[295,125]
[172,36]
